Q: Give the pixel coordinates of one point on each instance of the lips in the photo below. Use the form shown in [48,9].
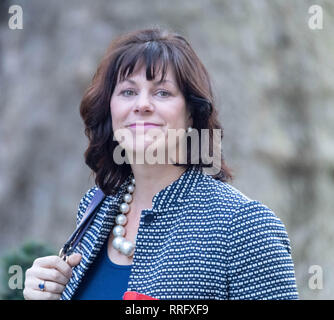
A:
[144,124]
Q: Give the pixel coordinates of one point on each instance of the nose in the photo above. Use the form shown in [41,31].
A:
[143,104]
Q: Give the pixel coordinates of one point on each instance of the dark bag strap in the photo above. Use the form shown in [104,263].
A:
[85,222]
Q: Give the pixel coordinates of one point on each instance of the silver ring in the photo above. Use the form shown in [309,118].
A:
[41,285]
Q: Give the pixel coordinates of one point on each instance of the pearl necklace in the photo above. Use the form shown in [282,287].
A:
[119,242]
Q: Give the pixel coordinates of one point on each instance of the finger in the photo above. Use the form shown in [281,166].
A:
[74,259]
[49,286]
[49,275]
[54,262]
[31,294]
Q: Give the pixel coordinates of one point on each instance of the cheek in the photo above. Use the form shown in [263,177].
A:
[177,117]
[114,118]
[117,115]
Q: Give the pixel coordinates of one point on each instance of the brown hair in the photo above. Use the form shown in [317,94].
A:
[157,49]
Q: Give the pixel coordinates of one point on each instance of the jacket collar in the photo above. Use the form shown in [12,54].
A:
[177,190]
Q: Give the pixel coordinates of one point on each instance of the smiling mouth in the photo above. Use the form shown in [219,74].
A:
[144,124]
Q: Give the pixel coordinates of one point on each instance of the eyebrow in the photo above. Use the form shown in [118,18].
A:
[155,82]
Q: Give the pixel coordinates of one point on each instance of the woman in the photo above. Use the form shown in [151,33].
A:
[170,229]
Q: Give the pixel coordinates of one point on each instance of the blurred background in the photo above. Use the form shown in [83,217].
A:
[273,78]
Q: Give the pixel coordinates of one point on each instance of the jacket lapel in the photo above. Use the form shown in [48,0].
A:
[92,241]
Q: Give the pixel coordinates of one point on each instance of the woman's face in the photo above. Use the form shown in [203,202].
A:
[146,110]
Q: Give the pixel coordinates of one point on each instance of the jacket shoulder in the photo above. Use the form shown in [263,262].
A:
[226,195]
[232,203]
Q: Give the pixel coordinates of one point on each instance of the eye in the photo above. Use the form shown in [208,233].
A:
[164,93]
[127,92]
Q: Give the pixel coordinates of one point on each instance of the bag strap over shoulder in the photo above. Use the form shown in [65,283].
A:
[85,222]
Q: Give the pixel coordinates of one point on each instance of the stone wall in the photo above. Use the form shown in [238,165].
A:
[273,80]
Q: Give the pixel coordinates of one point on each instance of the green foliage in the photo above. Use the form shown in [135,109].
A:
[22,257]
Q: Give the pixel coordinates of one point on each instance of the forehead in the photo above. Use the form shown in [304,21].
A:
[134,79]
[159,72]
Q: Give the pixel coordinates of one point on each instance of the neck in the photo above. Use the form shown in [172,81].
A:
[150,179]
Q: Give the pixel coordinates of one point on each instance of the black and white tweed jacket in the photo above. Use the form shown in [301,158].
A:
[202,239]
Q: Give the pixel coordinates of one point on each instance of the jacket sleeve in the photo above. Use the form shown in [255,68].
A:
[259,256]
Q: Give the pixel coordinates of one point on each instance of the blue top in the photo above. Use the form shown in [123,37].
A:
[202,239]
[105,280]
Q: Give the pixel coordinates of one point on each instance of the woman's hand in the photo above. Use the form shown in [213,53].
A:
[53,272]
